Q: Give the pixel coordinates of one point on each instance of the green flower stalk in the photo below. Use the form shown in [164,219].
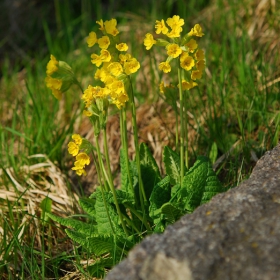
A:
[190,66]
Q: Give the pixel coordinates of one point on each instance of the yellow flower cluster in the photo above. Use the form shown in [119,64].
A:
[183,48]
[82,159]
[114,66]
[59,76]
[53,83]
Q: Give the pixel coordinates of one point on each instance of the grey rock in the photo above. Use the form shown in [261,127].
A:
[234,236]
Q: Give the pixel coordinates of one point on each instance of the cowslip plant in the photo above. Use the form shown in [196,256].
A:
[146,201]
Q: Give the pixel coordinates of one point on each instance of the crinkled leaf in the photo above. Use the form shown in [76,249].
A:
[79,226]
[200,184]
[171,213]
[160,195]
[149,170]
[103,217]
[124,173]
[88,205]
[172,165]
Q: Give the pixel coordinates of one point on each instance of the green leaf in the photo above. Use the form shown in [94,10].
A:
[171,213]
[213,153]
[160,195]
[88,205]
[107,222]
[124,173]
[79,226]
[149,170]
[46,206]
[172,165]
[200,184]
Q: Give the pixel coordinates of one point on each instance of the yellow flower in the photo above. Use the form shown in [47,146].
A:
[87,113]
[79,168]
[199,55]
[160,27]
[101,24]
[173,50]
[122,47]
[131,66]
[91,39]
[110,27]
[104,42]
[186,61]
[200,65]
[175,22]
[81,172]
[105,56]
[165,67]
[82,159]
[188,85]
[192,45]
[53,83]
[161,88]
[115,68]
[124,57]
[96,59]
[196,31]
[73,148]
[149,41]
[52,65]
[57,93]
[196,75]
[175,32]
[77,139]
[117,87]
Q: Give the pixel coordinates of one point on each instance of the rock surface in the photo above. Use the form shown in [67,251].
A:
[235,236]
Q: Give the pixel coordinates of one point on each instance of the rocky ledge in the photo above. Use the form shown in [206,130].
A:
[234,236]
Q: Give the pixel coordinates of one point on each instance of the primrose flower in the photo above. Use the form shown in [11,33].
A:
[175,23]
[122,47]
[111,27]
[74,146]
[161,88]
[196,75]
[173,50]
[165,67]
[196,31]
[101,23]
[103,42]
[200,65]
[115,68]
[160,27]
[192,45]
[55,86]
[188,85]
[199,55]
[77,139]
[149,41]
[91,39]
[186,61]
[52,65]
[105,56]
[96,59]
[131,66]
[59,77]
